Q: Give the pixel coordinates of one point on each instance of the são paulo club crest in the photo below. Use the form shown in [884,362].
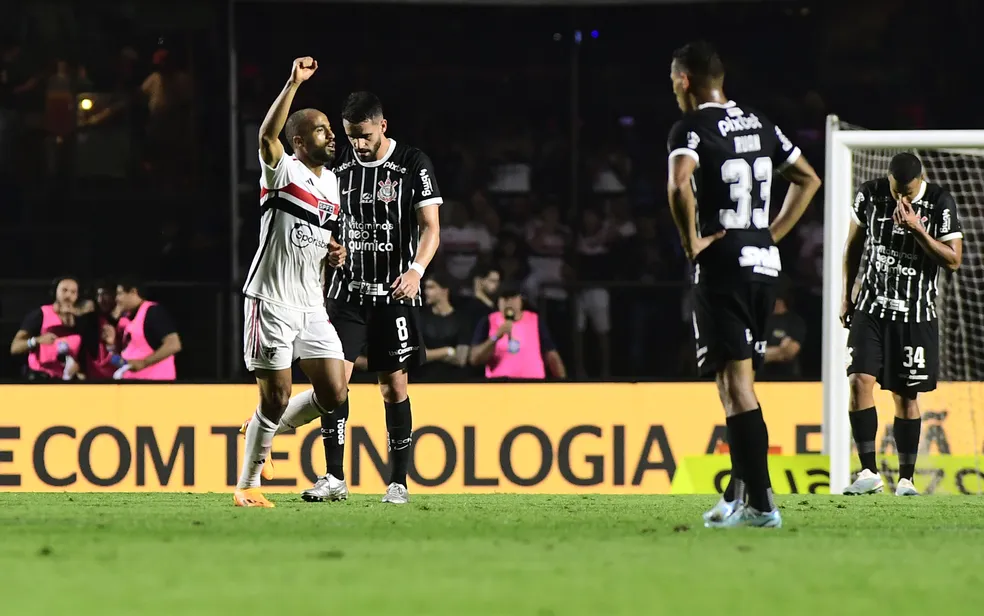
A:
[328,211]
[387,190]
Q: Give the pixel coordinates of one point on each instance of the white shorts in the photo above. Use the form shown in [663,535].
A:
[276,335]
[593,304]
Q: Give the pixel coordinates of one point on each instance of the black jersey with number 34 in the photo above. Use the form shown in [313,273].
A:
[379,226]
[737,151]
[899,281]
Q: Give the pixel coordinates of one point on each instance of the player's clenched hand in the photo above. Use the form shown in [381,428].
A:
[406,286]
[336,254]
[700,244]
[905,217]
[847,311]
[303,69]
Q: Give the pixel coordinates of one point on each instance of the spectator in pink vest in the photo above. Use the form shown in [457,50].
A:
[49,336]
[514,343]
[150,338]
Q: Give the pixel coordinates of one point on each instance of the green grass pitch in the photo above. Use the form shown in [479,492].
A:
[180,554]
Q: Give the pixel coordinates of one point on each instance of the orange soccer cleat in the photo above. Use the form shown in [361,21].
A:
[251,497]
[267,471]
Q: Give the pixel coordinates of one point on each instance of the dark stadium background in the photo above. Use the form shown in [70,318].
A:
[475,87]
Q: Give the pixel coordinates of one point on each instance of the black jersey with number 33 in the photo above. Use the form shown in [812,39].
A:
[737,151]
[899,281]
[379,227]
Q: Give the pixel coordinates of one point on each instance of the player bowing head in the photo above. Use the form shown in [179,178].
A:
[905,175]
[310,137]
[364,124]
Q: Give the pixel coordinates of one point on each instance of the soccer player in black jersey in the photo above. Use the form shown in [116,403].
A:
[722,157]
[389,201]
[906,228]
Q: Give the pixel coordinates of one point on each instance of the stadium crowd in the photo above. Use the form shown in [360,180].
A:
[116,161]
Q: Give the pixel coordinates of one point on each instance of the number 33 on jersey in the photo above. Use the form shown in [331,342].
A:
[737,152]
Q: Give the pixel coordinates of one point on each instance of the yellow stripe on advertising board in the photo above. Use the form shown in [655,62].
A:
[517,438]
[810,474]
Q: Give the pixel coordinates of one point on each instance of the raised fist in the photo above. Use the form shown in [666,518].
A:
[303,69]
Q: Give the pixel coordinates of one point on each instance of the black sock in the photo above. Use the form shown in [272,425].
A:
[736,485]
[333,438]
[751,450]
[907,444]
[399,429]
[864,426]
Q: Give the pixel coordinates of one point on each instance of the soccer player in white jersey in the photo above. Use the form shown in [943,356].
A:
[285,312]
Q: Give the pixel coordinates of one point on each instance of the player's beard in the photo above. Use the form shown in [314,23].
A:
[324,155]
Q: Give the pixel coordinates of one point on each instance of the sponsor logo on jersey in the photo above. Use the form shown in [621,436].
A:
[387,190]
[303,235]
[344,166]
[391,165]
[425,181]
[762,260]
[743,123]
[945,225]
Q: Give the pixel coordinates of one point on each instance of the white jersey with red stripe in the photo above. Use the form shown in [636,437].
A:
[299,213]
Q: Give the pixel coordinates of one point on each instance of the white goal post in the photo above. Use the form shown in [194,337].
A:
[841,146]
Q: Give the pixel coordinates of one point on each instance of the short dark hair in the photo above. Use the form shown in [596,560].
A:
[440,279]
[700,60]
[129,283]
[362,106]
[905,167]
[510,288]
[296,123]
[482,269]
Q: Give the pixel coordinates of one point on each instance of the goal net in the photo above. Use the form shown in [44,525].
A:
[953,423]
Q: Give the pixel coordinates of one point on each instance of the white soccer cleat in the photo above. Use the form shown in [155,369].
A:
[328,488]
[721,510]
[866,483]
[396,494]
[905,488]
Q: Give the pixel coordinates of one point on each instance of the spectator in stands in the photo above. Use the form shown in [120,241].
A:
[514,343]
[150,337]
[509,258]
[100,337]
[446,335]
[463,240]
[49,336]
[480,302]
[786,332]
[592,303]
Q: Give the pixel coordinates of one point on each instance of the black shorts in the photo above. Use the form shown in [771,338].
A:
[730,323]
[389,335]
[903,357]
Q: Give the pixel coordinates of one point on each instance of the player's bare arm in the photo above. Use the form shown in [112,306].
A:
[853,250]
[948,253]
[337,253]
[407,285]
[683,206]
[803,185]
[271,150]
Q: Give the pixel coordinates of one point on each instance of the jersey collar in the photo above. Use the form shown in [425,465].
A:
[727,105]
[921,193]
[379,163]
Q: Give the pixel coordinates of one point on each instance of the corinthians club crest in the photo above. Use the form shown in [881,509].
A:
[387,190]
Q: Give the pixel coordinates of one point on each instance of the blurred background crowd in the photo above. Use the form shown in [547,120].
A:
[123,152]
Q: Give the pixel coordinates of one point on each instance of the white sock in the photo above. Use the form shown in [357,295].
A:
[301,410]
[259,440]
